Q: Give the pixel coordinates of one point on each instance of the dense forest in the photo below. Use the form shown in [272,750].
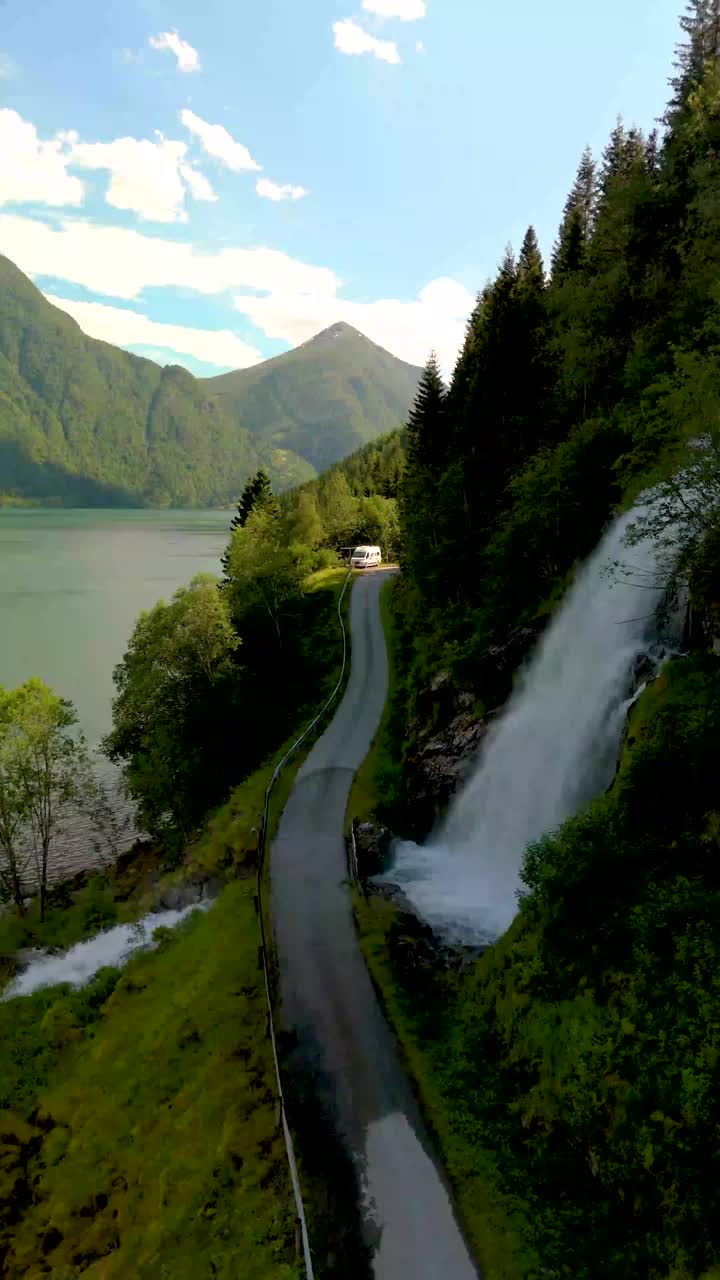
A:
[575,387]
[577,1059]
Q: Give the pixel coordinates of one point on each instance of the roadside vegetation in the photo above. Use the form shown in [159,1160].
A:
[139,1131]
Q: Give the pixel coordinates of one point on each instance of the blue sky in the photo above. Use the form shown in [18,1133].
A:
[211,183]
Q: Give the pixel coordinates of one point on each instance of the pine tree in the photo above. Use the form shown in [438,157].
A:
[701,26]
[257,495]
[536,364]
[578,221]
[426,456]
[624,154]
[426,438]
[652,153]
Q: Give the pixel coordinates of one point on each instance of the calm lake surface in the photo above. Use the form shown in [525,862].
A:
[72,584]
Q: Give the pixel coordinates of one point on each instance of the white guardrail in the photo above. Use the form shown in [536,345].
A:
[302,1221]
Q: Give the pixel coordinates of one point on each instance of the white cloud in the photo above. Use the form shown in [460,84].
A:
[218,143]
[405,10]
[120,262]
[123,327]
[200,188]
[419,47]
[148,178]
[7,67]
[278,191]
[32,170]
[352,39]
[285,298]
[435,320]
[188,58]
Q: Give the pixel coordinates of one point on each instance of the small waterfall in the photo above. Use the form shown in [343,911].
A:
[112,947]
[554,748]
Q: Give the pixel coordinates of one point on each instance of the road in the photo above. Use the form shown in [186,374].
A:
[355,1108]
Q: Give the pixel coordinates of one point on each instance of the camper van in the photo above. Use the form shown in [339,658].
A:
[365,557]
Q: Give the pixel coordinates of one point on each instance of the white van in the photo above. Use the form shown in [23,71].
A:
[366,557]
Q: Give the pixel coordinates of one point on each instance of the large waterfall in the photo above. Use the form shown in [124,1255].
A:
[553,749]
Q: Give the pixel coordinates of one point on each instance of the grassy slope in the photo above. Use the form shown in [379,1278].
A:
[141,1109]
[158,1149]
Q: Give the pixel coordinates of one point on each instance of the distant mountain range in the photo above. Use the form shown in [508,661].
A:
[83,423]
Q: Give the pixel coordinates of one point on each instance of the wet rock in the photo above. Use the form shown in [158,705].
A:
[196,889]
[211,888]
[417,953]
[440,762]
[27,956]
[372,843]
[176,897]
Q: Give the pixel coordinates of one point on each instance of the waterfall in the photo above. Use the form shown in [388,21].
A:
[554,748]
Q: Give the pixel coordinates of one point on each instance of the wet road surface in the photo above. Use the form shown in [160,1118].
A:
[353,1101]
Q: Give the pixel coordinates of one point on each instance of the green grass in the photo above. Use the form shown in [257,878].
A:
[138,1123]
[494,1227]
[153,1149]
[365,793]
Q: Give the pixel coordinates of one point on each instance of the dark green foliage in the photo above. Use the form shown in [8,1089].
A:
[578,221]
[582,1050]
[571,394]
[701,26]
[257,494]
[578,1057]
[353,502]
[83,423]
[420,495]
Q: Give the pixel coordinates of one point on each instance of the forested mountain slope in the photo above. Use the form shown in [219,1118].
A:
[323,399]
[85,423]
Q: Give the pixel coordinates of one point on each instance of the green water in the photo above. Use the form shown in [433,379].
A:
[73,582]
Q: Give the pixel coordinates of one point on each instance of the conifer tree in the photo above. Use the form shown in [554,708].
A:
[578,221]
[256,495]
[531,270]
[701,27]
[426,439]
[426,456]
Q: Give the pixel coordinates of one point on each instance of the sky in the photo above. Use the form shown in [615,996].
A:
[210,183]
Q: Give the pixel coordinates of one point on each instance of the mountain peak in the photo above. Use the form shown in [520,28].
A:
[338,330]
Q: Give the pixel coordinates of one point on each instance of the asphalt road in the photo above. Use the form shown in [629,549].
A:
[355,1107]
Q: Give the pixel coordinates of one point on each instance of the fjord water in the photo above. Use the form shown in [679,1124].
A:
[553,749]
[72,583]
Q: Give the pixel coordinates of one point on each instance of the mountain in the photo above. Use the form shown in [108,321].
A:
[84,423]
[322,400]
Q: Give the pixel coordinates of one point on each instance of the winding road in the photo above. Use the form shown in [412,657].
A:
[355,1098]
